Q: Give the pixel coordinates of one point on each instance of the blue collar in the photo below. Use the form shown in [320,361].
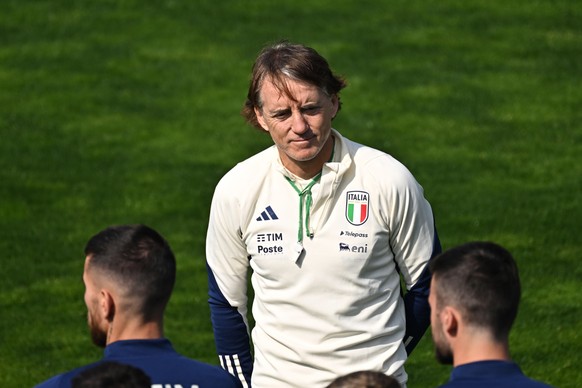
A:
[490,368]
[140,347]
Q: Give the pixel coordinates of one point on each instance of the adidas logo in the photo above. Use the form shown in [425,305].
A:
[267,215]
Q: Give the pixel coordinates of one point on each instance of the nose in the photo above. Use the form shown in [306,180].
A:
[299,124]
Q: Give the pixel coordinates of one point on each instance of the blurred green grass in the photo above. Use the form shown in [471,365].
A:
[125,111]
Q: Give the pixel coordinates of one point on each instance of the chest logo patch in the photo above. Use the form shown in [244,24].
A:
[357,207]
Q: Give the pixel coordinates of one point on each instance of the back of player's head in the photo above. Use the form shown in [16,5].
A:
[286,61]
[139,261]
[111,374]
[481,280]
[365,379]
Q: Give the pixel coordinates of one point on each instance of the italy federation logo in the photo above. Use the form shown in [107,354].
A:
[357,206]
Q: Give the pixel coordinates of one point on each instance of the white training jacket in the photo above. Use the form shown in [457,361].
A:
[337,306]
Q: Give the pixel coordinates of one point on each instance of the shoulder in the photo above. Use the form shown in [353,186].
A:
[249,169]
[52,382]
[374,159]
[203,374]
[246,180]
[64,379]
[379,167]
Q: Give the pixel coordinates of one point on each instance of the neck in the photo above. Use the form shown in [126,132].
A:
[480,348]
[131,330]
[307,169]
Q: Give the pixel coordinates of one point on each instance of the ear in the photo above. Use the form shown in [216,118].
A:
[335,104]
[106,305]
[450,321]
[261,119]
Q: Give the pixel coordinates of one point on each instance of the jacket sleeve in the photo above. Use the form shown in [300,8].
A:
[414,241]
[227,267]
[416,304]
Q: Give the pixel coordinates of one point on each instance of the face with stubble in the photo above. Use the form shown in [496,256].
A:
[299,123]
[443,351]
[97,325]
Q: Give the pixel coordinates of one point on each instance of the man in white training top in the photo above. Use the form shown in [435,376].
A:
[328,227]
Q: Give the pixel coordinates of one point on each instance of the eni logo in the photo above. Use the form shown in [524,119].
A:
[343,247]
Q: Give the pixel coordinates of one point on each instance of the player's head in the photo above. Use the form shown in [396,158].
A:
[285,61]
[110,374]
[129,270]
[365,379]
[480,281]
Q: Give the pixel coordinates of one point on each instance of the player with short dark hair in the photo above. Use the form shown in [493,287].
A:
[141,264]
[129,276]
[474,296]
[111,374]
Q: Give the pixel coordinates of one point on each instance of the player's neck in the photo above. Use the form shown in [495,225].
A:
[134,329]
[307,169]
[480,349]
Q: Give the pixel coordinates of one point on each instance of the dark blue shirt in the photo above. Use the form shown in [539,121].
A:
[161,362]
[487,374]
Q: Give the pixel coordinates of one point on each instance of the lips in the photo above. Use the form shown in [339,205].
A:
[303,143]
[304,139]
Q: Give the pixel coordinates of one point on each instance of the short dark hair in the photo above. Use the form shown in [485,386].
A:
[365,379]
[138,258]
[480,279]
[110,374]
[283,61]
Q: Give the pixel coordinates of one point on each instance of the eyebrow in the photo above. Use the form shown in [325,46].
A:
[277,112]
[307,105]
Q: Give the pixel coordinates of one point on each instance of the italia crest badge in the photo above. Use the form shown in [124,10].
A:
[357,207]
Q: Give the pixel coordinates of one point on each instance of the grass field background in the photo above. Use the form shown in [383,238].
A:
[125,111]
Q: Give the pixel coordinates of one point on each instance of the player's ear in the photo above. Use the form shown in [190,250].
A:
[450,321]
[106,305]
[261,119]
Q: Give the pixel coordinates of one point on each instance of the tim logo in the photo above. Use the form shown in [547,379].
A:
[268,243]
[264,237]
[357,206]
